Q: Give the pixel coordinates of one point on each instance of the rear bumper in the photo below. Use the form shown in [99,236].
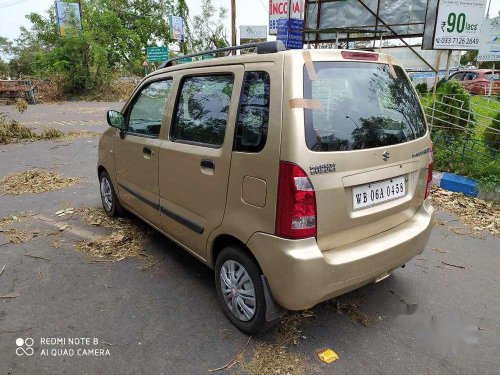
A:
[300,275]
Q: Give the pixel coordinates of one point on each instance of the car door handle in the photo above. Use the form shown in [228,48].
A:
[147,152]
[205,163]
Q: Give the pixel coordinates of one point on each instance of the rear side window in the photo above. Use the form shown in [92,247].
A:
[202,109]
[362,106]
[457,76]
[145,115]
[253,118]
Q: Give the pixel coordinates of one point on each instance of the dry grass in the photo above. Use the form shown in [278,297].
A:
[12,131]
[353,310]
[17,236]
[13,219]
[289,328]
[276,359]
[271,359]
[125,241]
[34,181]
[21,105]
[74,134]
[477,214]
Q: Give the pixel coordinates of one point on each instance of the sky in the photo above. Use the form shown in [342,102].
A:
[249,12]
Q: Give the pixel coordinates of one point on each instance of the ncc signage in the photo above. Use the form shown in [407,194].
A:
[458,24]
[278,10]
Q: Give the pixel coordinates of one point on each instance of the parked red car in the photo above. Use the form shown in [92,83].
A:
[478,81]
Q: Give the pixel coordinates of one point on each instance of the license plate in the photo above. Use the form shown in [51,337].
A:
[378,192]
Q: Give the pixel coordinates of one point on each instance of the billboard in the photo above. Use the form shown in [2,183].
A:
[411,62]
[405,17]
[68,17]
[458,24]
[176,28]
[489,42]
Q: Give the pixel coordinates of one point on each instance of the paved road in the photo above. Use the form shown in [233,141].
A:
[166,320]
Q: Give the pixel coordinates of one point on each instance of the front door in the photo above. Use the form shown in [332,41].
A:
[136,150]
[195,160]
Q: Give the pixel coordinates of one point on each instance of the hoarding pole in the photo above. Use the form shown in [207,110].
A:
[491,82]
[233,24]
[436,78]
[448,58]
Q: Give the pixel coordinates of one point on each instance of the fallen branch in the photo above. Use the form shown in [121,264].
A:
[36,257]
[12,295]
[233,361]
[452,265]
[1,271]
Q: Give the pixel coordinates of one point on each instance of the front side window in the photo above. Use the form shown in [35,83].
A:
[147,112]
[253,118]
[202,109]
[470,76]
[362,106]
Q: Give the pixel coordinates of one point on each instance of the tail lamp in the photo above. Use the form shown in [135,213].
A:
[296,207]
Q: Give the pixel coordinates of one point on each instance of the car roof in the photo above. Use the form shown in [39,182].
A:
[335,54]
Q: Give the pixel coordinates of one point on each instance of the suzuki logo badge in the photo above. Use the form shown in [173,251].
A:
[385,155]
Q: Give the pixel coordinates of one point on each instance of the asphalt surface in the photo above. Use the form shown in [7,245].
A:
[428,318]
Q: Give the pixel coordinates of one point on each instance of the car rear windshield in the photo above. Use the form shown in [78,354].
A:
[363,105]
[490,76]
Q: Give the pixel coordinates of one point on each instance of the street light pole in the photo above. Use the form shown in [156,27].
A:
[233,24]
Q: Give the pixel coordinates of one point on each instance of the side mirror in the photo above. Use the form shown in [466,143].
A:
[116,120]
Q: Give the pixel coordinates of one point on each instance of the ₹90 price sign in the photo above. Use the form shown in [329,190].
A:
[458,24]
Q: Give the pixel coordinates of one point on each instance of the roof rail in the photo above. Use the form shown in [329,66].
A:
[262,48]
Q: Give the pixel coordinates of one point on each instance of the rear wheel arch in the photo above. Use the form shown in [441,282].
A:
[224,240]
[101,169]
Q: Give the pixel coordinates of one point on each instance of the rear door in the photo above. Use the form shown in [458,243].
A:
[195,160]
[366,148]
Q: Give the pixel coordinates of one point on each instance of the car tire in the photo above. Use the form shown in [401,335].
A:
[243,264]
[109,199]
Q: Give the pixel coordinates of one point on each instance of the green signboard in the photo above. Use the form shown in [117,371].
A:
[184,60]
[157,54]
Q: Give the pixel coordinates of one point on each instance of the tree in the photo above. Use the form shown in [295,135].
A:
[208,32]
[114,36]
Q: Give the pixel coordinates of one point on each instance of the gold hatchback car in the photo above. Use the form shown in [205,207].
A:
[297,175]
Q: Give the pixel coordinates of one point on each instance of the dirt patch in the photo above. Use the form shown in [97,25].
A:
[126,240]
[477,214]
[35,181]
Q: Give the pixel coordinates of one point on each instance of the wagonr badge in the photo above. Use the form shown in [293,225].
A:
[322,168]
